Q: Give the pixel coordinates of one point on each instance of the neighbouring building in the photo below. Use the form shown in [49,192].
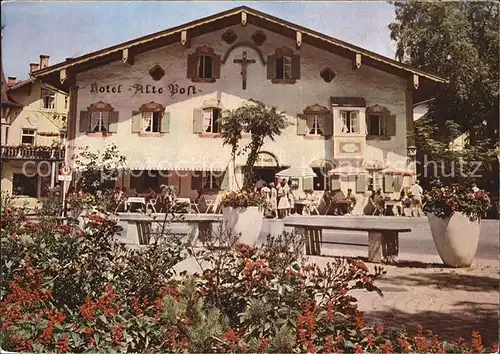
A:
[160,99]
[33,135]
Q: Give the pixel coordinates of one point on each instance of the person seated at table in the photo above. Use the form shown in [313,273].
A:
[118,195]
[199,194]
[351,199]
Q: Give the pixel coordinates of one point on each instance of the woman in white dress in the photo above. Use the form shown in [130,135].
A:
[273,200]
[283,202]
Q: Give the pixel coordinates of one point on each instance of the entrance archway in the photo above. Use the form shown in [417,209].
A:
[266,166]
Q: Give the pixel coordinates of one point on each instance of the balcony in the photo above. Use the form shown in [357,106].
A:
[28,152]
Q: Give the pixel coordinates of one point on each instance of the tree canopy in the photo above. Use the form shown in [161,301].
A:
[460,42]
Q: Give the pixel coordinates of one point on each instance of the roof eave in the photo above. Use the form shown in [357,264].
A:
[236,11]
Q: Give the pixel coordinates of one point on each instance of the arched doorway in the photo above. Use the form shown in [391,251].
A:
[266,166]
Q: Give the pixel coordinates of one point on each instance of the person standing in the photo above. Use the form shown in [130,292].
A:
[259,184]
[351,199]
[283,202]
[291,197]
[274,200]
[416,198]
[266,193]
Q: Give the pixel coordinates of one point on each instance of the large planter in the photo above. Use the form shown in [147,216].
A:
[456,238]
[244,221]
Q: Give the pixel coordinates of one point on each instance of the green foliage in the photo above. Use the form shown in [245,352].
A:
[261,123]
[98,170]
[459,41]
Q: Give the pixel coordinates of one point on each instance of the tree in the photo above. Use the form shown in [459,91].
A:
[258,120]
[458,41]
[98,170]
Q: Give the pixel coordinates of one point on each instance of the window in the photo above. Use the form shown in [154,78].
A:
[48,99]
[210,180]
[24,185]
[315,124]
[28,136]
[375,126]
[205,67]
[349,122]
[375,181]
[327,75]
[66,100]
[143,180]
[211,122]
[99,121]
[321,181]
[284,67]
[45,186]
[152,122]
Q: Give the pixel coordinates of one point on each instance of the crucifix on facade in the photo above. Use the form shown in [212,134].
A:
[244,62]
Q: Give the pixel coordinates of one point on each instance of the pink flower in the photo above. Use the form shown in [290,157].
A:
[14,236]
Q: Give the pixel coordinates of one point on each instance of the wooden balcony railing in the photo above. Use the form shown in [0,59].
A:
[31,153]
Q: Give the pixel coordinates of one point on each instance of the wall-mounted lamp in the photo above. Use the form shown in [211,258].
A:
[412,151]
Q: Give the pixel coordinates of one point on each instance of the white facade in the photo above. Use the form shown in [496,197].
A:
[182,149]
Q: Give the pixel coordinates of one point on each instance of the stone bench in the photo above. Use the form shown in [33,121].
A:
[383,236]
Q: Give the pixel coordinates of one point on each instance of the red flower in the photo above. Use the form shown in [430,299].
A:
[63,344]
[359,349]
[361,265]
[14,236]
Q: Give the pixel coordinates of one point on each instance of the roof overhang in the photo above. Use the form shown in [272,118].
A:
[54,76]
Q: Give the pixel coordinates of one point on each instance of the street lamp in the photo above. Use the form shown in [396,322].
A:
[412,151]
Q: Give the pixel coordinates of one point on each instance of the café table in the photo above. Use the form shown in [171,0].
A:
[138,200]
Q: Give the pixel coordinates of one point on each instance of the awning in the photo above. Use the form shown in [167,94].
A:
[177,163]
[347,170]
[397,172]
[321,163]
[296,172]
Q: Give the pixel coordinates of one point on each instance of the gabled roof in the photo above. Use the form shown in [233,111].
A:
[6,100]
[226,19]
[21,83]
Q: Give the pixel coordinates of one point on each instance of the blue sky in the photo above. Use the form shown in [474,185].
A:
[68,29]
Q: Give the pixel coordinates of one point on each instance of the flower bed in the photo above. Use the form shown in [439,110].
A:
[68,290]
[243,199]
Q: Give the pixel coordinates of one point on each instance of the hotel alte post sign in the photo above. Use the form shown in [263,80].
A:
[173,88]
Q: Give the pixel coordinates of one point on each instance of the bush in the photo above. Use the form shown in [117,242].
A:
[66,289]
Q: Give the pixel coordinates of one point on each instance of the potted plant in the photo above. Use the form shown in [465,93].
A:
[454,214]
[243,209]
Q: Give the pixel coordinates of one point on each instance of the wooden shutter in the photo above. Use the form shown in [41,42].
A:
[197,121]
[84,122]
[136,122]
[113,122]
[388,184]
[390,123]
[192,65]
[216,66]
[271,66]
[224,185]
[361,183]
[196,180]
[328,125]
[165,123]
[301,124]
[295,66]
[367,122]
[335,183]
[308,183]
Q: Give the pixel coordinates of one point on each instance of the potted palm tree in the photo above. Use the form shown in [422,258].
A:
[454,214]
[243,209]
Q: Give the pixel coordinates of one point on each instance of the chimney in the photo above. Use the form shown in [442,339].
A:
[34,67]
[44,61]
[11,81]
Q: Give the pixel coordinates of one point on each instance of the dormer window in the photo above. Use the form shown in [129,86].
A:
[203,65]
[283,67]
